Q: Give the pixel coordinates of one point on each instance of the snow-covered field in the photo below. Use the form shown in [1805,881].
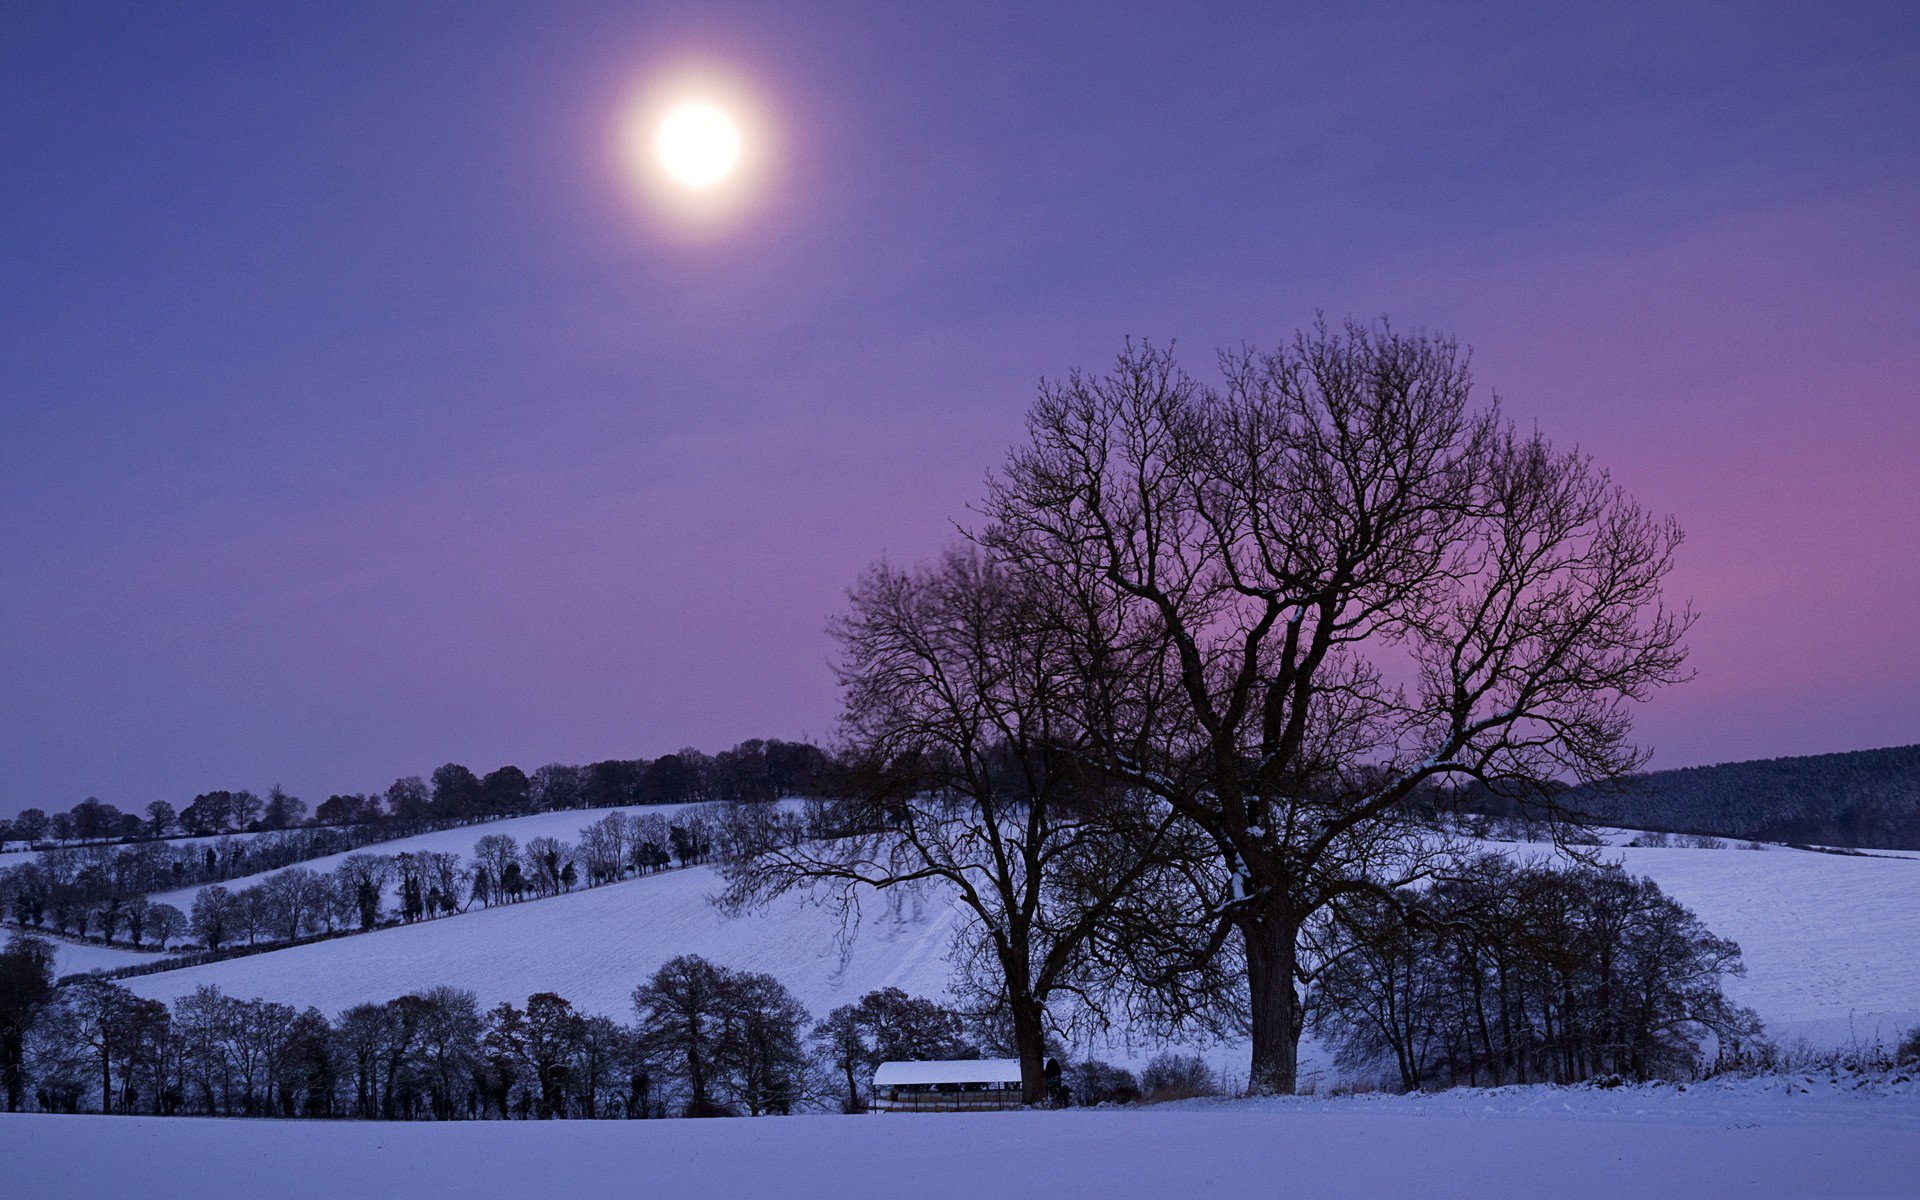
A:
[594,947]
[71,958]
[1749,1142]
[1832,942]
[564,825]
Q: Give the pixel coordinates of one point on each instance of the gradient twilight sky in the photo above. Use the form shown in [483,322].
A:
[356,415]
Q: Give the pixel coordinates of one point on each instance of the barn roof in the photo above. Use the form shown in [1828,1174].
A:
[957,1070]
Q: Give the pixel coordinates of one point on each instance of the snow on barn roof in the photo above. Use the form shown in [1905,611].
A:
[957,1070]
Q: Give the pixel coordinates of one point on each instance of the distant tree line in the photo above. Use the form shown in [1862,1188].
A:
[98,892]
[755,770]
[703,1040]
[1858,798]
[85,884]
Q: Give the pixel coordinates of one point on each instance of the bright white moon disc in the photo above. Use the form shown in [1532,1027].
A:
[698,144]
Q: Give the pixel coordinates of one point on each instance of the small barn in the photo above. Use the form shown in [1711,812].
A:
[953,1085]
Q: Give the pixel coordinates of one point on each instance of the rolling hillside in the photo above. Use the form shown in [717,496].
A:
[71,958]
[565,825]
[593,947]
[1832,943]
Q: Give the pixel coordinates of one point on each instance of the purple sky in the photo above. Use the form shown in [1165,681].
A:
[356,417]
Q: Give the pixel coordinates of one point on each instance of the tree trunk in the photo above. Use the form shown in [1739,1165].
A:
[853,1086]
[697,1082]
[1272,944]
[1030,1041]
[13,1067]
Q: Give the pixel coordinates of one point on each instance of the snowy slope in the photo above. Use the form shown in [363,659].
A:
[563,825]
[593,947]
[1832,943]
[71,958]
[1472,1146]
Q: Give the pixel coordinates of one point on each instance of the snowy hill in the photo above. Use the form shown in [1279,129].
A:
[1832,942]
[72,958]
[593,947]
[565,825]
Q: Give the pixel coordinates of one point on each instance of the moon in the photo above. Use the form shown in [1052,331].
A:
[698,144]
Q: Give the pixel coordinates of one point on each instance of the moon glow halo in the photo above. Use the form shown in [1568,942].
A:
[698,144]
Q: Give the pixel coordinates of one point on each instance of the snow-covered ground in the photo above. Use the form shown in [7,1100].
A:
[459,840]
[1832,942]
[594,947]
[71,958]
[1700,1145]
[1889,1098]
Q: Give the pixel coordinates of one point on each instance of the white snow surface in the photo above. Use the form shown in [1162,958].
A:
[73,958]
[594,947]
[1832,942]
[1890,1098]
[1754,1141]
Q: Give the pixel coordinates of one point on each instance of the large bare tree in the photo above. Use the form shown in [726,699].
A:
[955,707]
[1311,592]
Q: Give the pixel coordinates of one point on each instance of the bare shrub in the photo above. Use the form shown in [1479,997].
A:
[1172,1076]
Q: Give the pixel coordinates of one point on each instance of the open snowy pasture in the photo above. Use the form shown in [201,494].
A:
[73,958]
[1477,1145]
[1832,942]
[593,947]
[565,825]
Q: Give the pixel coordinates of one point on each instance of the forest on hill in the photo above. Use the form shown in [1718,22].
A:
[1856,798]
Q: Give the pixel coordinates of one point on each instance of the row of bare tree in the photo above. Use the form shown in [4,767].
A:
[753,770]
[85,890]
[705,1040]
[299,902]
